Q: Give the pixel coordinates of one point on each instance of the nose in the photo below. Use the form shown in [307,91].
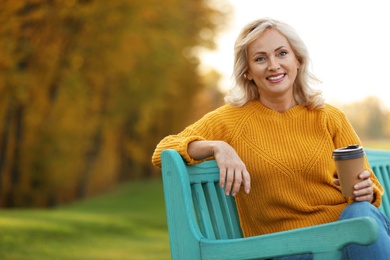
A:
[273,64]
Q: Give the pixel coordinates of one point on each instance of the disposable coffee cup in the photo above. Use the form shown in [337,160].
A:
[349,164]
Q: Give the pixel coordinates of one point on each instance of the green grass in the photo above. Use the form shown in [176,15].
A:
[128,223]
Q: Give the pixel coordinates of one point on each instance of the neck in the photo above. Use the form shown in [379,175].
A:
[279,105]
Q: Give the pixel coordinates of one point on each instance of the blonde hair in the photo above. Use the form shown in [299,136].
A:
[245,90]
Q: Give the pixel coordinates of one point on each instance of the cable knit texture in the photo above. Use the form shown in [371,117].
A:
[289,158]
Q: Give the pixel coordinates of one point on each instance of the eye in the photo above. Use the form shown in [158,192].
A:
[260,59]
[283,53]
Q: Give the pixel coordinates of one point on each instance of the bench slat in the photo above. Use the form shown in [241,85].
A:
[202,211]
[215,210]
[229,213]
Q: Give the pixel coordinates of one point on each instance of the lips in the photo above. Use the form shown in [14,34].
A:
[276,78]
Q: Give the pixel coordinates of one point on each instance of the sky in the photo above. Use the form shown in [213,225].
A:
[348,43]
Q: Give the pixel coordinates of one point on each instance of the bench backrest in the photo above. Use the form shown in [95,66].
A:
[380,164]
[216,213]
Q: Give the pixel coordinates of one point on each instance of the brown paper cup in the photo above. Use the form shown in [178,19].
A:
[349,164]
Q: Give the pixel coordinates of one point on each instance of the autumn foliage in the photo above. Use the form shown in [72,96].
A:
[88,88]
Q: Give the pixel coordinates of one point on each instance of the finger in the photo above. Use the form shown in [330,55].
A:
[364,175]
[222,177]
[363,192]
[363,184]
[229,181]
[246,181]
[368,198]
[237,183]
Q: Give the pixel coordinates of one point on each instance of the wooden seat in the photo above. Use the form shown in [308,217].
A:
[203,222]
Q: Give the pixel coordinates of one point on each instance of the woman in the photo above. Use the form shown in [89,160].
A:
[275,138]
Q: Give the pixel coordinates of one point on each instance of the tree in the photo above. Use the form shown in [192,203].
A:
[88,88]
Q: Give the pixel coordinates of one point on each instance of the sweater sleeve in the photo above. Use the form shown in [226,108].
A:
[344,135]
[177,142]
[212,126]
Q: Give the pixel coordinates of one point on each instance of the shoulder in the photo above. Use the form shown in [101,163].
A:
[227,119]
[335,117]
[229,111]
[331,111]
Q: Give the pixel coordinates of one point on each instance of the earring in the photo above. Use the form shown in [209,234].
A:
[244,75]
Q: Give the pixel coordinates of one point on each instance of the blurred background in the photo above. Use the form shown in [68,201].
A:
[89,87]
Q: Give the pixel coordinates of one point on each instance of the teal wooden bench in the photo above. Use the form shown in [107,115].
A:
[203,222]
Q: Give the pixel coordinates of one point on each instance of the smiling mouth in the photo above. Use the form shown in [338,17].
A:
[276,78]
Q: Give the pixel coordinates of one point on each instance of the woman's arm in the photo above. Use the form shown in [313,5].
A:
[369,188]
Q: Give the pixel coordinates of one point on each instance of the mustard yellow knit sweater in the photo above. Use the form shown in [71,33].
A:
[289,158]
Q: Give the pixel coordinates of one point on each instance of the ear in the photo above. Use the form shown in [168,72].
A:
[248,75]
[298,63]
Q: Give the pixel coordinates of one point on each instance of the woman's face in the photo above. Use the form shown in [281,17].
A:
[272,65]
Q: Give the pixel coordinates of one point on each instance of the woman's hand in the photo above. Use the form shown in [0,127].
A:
[233,173]
[363,190]
[232,170]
